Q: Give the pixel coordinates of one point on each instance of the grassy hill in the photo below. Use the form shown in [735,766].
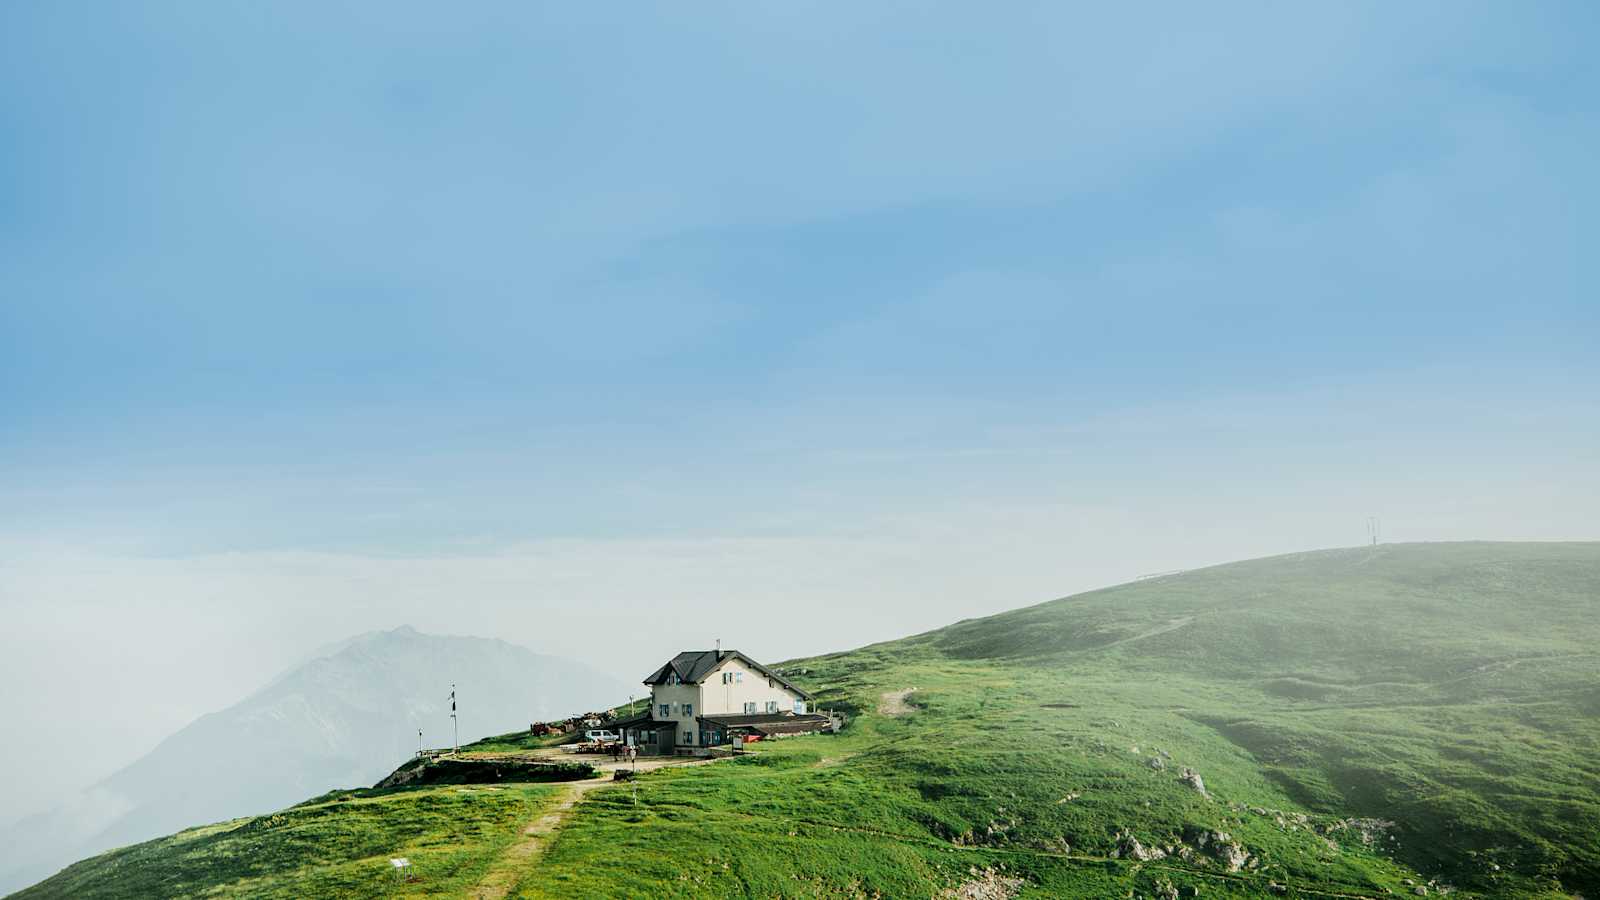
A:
[1398,719]
[344,716]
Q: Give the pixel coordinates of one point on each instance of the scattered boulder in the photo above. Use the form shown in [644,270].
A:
[985,884]
[1129,847]
[1053,845]
[1219,845]
[1368,831]
[1192,778]
[1156,762]
[1165,890]
[997,827]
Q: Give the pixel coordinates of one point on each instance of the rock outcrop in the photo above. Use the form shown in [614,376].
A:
[1192,778]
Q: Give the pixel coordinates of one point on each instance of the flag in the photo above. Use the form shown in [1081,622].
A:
[452,703]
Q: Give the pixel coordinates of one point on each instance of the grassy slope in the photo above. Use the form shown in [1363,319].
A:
[337,845]
[1450,688]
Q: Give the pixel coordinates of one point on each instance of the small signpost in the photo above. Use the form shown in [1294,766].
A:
[401,868]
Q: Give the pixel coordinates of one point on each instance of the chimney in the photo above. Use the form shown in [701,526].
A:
[719,648]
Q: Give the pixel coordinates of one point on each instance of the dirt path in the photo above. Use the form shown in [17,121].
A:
[893,703]
[1172,625]
[513,863]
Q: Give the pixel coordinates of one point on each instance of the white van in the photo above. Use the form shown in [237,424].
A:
[601,736]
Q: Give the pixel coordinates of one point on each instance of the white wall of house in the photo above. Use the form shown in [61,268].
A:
[743,686]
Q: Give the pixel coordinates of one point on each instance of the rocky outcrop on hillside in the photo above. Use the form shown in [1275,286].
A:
[985,884]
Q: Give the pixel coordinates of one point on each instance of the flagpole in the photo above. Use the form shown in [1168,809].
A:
[455,724]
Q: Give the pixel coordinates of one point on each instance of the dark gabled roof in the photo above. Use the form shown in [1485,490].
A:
[691,666]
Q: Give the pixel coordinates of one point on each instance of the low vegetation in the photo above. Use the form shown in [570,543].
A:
[337,845]
[1399,720]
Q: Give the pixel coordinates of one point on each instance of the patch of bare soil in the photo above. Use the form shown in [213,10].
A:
[893,703]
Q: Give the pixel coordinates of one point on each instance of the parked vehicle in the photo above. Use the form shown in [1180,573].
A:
[601,736]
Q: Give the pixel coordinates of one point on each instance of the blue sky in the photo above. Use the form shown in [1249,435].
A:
[899,314]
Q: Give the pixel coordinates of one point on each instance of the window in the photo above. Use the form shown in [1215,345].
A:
[770,684]
[688,737]
[727,678]
[800,707]
[772,706]
[749,709]
[665,710]
[688,709]
[738,678]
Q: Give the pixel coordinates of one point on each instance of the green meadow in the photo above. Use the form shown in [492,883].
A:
[337,845]
[1391,720]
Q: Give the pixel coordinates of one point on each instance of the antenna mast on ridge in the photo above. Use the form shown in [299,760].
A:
[1373,529]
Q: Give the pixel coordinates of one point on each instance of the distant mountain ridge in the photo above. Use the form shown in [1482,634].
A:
[341,718]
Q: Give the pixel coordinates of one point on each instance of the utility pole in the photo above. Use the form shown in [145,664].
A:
[419,741]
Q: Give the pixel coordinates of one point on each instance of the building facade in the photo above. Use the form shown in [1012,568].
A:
[705,698]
